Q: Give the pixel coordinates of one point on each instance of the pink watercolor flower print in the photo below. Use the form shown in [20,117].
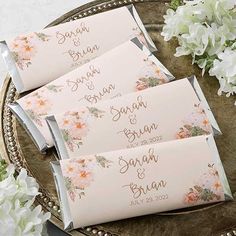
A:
[27,52]
[195,124]
[36,106]
[79,174]
[150,76]
[84,179]
[208,188]
[74,126]
[191,197]
[23,48]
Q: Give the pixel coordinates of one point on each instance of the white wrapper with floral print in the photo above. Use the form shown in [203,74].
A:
[37,58]
[139,181]
[126,68]
[166,112]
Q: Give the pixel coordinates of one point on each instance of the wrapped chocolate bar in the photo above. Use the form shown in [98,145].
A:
[139,181]
[170,111]
[127,68]
[37,58]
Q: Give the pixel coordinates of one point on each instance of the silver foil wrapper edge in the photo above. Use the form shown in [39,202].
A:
[136,17]
[204,103]
[211,142]
[11,66]
[57,138]
[29,126]
[150,56]
[61,192]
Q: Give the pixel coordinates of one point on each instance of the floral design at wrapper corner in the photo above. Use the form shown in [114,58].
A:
[207,189]
[78,174]
[196,124]
[151,75]
[23,48]
[36,104]
[74,126]
[139,34]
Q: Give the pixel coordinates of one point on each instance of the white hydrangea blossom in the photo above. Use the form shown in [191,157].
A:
[196,41]
[22,187]
[205,29]
[18,220]
[205,11]
[17,215]
[224,69]
[211,10]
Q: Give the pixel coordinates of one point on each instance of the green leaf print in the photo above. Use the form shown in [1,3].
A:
[195,130]
[205,194]
[103,162]
[150,82]
[54,88]
[96,112]
[65,135]
[42,36]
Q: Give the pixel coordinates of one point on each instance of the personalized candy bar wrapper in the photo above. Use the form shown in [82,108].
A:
[127,68]
[170,111]
[139,181]
[37,58]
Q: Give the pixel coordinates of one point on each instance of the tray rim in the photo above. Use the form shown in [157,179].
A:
[87,9]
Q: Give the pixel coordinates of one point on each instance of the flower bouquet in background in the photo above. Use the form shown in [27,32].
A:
[206,29]
[18,217]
